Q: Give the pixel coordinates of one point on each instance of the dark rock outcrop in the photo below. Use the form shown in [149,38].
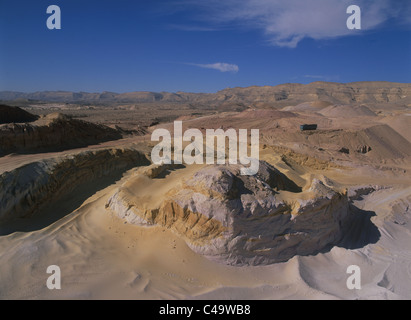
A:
[15,115]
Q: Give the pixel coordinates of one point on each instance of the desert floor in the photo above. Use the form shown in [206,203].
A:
[103,257]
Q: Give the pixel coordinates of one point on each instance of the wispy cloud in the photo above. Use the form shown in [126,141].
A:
[220,66]
[191,28]
[286,23]
[321,77]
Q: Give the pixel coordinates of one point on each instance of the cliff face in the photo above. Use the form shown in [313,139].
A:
[287,94]
[54,132]
[336,93]
[242,220]
[25,190]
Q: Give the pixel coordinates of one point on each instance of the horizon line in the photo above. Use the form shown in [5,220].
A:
[227,88]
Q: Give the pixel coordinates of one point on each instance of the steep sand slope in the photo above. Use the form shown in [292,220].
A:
[347,111]
[400,123]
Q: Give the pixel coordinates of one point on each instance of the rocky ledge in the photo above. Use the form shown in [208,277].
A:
[54,132]
[27,189]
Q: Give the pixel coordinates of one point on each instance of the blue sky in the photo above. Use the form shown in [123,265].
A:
[200,46]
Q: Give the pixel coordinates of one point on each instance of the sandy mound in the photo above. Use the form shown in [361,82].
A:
[401,124]
[264,114]
[15,115]
[347,111]
[314,106]
[386,142]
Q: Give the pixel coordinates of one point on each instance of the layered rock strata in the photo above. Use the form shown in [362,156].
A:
[27,189]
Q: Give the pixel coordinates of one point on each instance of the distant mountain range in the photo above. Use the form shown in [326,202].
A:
[280,95]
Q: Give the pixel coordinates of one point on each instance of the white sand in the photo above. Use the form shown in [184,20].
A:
[102,258]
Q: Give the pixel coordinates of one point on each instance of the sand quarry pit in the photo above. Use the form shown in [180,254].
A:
[120,227]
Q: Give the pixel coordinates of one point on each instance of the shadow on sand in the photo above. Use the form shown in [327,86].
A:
[359,230]
[60,207]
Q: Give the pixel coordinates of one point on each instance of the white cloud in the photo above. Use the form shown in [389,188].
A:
[223,67]
[192,28]
[286,22]
[321,77]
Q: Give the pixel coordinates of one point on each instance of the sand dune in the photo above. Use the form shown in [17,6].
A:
[347,111]
[314,106]
[400,123]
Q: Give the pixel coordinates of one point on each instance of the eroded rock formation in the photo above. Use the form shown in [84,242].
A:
[241,220]
[25,190]
[54,132]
